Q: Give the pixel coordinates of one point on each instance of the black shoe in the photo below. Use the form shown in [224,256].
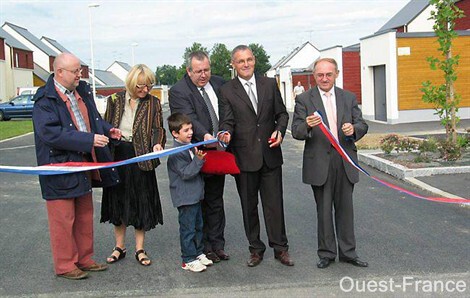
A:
[355,262]
[212,256]
[222,255]
[324,262]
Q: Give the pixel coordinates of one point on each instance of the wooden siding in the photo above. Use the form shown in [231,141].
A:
[25,59]
[352,73]
[85,74]
[104,90]
[51,63]
[463,23]
[2,49]
[412,70]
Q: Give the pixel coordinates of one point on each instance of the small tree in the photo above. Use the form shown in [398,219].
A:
[443,96]
[166,74]
[195,47]
[220,61]
[262,59]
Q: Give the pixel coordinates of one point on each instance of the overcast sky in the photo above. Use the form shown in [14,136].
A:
[163,29]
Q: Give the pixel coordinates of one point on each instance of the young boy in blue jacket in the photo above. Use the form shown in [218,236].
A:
[187,191]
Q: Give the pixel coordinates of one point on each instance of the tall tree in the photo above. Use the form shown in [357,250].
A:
[195,47]
[262,59]
[444,96]
[166,74]
[220,61]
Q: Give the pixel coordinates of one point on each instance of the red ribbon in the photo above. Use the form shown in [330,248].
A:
[346,157]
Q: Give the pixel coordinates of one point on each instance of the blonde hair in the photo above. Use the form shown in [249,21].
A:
[136,72]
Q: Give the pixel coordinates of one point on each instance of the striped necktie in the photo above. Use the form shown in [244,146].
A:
[212,114]
[252,96]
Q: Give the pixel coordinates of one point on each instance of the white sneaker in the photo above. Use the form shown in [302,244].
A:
[194,266]
[204,260]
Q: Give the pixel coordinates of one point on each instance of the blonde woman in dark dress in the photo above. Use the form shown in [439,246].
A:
[135,201]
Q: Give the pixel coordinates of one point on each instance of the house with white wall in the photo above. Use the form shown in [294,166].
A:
[394,66]
[59,48]
[43,55]
[119,69]
[292,68]
[16,66]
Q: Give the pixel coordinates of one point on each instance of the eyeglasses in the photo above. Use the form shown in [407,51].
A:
[142,86]
[76,72]
[199,72]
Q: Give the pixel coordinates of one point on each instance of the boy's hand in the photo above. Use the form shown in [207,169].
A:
[199,153]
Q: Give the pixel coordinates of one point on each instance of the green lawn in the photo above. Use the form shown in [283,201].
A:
[14,128]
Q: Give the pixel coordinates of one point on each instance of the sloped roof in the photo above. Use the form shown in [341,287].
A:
[108,78]
[407,14]
[276,65]
[352,48]
[31,38]
[61,48]
[123,65]
[12,42]
[56,44]
[41,72]
[287,58]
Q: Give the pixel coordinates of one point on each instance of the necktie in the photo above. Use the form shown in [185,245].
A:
[212,114]
[252,96]
[331,114]
[76,111]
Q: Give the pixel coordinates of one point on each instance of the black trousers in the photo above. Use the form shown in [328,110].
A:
[268,182]
[335,193]
[213,213]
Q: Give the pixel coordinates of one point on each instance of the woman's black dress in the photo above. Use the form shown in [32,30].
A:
[135,201]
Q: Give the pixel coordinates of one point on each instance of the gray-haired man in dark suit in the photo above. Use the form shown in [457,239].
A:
[332,179]
[197,95]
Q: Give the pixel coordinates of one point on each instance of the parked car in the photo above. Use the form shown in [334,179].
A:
[18,107]
[26,90]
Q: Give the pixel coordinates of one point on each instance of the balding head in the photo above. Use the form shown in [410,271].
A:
[67,70]
[64,60]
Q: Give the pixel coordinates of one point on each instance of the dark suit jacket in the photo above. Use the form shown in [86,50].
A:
[317,147]
[250,131]
[186,98]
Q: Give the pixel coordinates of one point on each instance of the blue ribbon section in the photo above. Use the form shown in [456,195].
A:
[58,169]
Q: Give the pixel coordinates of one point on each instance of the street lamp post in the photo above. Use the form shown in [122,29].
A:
[90,6]
[133,45]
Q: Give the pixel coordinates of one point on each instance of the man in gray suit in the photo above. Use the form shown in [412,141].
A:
[332,179]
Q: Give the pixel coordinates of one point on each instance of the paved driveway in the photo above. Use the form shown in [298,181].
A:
[401,237]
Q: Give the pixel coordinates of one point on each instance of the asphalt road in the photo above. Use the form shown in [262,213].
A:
[408,243]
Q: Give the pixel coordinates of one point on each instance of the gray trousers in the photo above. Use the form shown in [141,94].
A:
[335,193]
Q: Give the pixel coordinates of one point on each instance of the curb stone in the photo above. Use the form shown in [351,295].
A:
[403,172]
[407,174]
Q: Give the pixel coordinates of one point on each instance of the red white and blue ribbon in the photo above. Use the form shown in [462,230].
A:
[72,167]
[334,142]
